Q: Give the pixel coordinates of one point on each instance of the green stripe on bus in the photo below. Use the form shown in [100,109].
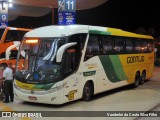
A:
[118,67]
[99,32]
[113,68]
[109,69]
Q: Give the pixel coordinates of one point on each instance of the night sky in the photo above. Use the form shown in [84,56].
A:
[124,14]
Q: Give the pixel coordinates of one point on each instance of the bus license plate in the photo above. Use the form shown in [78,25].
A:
[32,98]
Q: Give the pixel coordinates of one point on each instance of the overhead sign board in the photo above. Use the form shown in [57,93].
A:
[3,13]
[66,12]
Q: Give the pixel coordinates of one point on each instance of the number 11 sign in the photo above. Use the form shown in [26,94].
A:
[66,12]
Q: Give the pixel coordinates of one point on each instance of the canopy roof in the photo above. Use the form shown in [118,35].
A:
[37,8]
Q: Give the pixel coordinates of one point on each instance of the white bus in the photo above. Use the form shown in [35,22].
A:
[59,64]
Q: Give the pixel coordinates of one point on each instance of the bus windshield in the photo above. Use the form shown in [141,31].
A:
[14,35]
[38,60]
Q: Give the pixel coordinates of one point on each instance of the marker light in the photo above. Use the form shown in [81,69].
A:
[32,41]
[10,5]
[71,51]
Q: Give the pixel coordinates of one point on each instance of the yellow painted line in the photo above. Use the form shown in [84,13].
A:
[3,107]
[26,118]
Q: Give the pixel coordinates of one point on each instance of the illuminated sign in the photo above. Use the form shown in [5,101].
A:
[3,13]
[66,12]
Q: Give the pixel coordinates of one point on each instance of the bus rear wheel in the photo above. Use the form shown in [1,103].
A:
[143,77]
[137,80]
[87,92]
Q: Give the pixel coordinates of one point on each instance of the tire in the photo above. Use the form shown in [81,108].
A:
[137,80]
[87,92]
[143,77]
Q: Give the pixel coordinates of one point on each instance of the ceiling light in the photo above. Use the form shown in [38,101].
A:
[10,5]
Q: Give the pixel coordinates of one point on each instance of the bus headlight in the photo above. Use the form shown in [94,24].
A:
[57,88]
[15,86]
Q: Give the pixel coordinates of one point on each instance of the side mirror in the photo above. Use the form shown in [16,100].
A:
[62,49]
[8,51]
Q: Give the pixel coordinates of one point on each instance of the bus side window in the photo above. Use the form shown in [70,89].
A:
[138,46]
[144,46]
[92,47]
[70,61]
[119,45]
[107,43]
[13,54]
[88,51]
[150,46]
[129,45]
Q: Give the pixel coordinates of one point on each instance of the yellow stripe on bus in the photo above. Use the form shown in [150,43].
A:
[119,32]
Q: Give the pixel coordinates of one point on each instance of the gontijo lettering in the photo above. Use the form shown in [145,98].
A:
[135,59]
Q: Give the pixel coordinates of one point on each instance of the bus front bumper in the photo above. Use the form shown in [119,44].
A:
[37,97]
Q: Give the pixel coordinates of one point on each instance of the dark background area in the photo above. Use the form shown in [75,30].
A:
[124,14]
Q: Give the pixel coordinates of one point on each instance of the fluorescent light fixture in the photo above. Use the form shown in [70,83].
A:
[5,4]
[10,5]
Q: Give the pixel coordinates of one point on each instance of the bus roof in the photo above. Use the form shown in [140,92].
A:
[15,28]
[59,31]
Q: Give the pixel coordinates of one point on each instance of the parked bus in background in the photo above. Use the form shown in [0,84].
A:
[9,43]
[66,63]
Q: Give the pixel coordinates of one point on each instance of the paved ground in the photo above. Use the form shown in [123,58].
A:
[154,84]
[144,98]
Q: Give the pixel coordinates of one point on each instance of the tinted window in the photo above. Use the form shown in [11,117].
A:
[14,35]
[150,45]
[144,46]
[138,46]
[107,43]
[92,47]
[119,45]
[129,45]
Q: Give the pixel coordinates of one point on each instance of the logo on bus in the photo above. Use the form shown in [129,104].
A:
[135,59]
[32,91]
[71,94]
[91,66]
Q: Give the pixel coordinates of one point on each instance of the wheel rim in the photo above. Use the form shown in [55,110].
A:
[143,76]
[87,91]
[137,80]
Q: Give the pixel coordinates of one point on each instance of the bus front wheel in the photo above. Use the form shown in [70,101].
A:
[87,91]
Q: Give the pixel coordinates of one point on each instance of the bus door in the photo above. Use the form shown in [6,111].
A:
[71,87]
[72,81]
